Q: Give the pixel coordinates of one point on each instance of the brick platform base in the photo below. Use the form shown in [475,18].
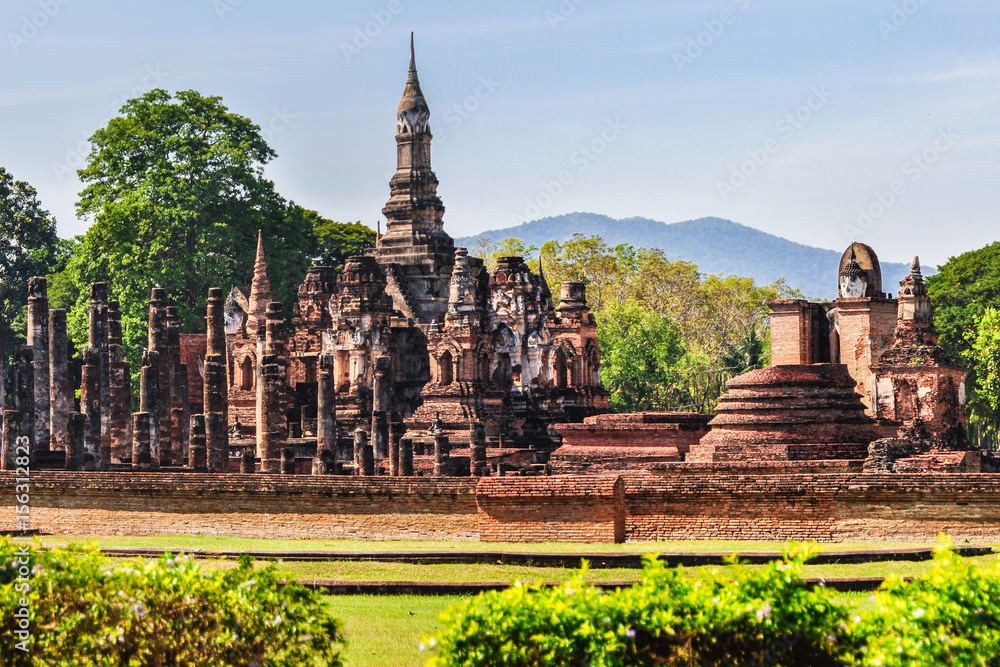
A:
[596,508]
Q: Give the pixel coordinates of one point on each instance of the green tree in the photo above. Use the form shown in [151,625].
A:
[490,252]
[983,359]
[640,355]
[28,247]
[336,241]
[962,290]
[176,190]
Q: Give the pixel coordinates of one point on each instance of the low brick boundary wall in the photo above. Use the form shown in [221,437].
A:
[259,506]
[548,509]
[597,508]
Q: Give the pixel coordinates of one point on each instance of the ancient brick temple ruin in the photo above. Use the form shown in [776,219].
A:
[415,357]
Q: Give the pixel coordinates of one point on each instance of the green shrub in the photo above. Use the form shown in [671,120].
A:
[89,612]
[950,616]
[768,616]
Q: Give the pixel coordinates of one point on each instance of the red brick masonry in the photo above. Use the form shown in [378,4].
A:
[600,508]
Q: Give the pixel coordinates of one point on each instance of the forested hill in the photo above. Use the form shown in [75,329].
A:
[714,244]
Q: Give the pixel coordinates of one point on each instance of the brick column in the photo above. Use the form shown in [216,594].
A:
[442,456]
[60,386]
[76,435]
[90,404]
[177,379]
[159,416]
[119,387]
[381,387]
[216,397]
[98,340]
[12,420]
[272,416]
[142,458]
[477,450]
[287,459]
[326,419]
[248,462]
[38,339]
[406,457]
[395,433]
[198,450]
[24,388]
[149,400]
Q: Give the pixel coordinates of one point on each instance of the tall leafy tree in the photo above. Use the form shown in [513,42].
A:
[177,194]
[28,247]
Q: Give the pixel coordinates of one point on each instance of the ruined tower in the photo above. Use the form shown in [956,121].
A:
[415,252]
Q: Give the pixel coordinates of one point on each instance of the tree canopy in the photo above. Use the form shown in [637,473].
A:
[176,191]
[336,241]
[966,297]
[670,336]
[28,247]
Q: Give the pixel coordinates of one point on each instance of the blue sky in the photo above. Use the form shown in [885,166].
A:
[791,117]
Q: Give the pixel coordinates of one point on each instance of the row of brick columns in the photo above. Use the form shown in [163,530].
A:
[164,433]
[42,407]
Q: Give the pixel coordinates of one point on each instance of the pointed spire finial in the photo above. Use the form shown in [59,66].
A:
[413,57]
[412,114]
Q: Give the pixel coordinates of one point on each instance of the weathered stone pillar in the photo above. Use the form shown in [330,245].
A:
[90,404]
[287,460]
[260,425]
[216,337]
[381,388]
[326,420]
[177,381]
[442,456]
[361,447]
[216,397]
[142,458]
[477,450]
[76,435]
[216,442]
[275,434]
[149,400]
[198,451]
[12,421]
[98,340]
[24,388]
[406,457]
[158,343]
[38,339]
[395,433]
[119,388]
[248,462]
[60,385]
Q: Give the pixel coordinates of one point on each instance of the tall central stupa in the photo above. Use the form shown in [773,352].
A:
[416,253]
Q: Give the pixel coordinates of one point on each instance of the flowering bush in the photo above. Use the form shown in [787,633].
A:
[769,616]
[753,617]
[950,616]
[86,611]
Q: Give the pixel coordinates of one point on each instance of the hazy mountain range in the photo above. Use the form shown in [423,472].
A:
[714,244]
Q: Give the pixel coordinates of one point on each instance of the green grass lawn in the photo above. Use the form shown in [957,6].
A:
[387,630]
[208,542]
[369,571]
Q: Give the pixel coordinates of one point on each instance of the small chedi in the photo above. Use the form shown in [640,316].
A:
[413,359]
